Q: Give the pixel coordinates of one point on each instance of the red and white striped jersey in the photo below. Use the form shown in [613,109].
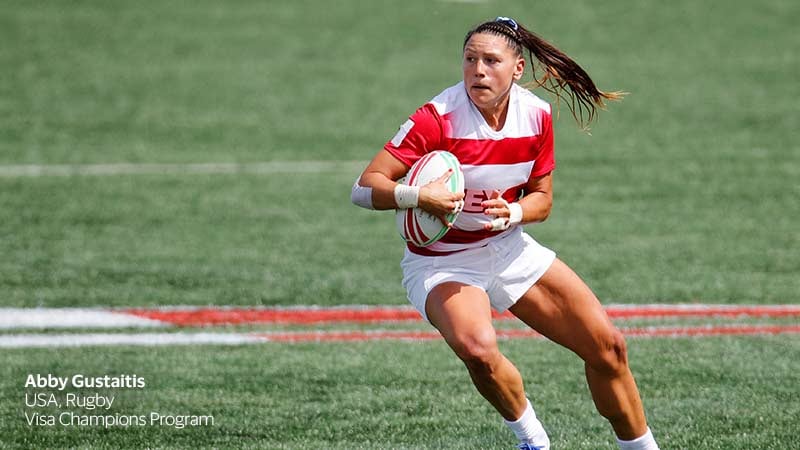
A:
[504,160]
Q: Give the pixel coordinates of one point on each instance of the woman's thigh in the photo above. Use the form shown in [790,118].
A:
[561,307]
[463,316]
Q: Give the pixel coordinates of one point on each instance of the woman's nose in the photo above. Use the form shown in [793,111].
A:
[480,69]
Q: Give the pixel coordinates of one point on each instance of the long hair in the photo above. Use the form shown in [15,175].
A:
[559,74]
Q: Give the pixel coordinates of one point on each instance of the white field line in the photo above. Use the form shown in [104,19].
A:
[11,318]
[266,167]
[137,339]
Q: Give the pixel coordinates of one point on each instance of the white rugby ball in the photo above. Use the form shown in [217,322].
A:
[415,225]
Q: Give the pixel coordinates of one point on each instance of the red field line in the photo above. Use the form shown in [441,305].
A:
[342,336]
[667,311]
[299,316]
[309,316]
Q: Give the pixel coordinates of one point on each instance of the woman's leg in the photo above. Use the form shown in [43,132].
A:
[462,315]
[561,307]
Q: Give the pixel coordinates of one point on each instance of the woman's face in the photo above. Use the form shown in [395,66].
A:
[490,66]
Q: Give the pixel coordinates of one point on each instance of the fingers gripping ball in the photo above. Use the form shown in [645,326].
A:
[415,225]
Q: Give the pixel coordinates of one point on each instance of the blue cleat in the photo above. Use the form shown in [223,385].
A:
[526,446]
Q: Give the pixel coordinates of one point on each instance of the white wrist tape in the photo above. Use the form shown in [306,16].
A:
[504,223]
[361,196]
[516,213]
[406,196]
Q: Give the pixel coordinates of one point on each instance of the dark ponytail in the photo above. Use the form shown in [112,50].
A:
[559,74]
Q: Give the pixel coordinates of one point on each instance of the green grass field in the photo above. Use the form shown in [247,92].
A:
[686,191]
[700,394]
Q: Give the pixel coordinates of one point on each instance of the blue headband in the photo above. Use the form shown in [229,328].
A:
[507,21]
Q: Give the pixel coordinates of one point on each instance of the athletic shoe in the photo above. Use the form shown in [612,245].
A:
[526,446]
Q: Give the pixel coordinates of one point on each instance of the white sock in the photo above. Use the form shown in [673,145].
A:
[644,442]
[528,429]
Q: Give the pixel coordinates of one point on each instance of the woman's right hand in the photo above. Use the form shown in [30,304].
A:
[437,200]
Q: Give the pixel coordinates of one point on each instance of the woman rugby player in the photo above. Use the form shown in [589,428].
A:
[502,134]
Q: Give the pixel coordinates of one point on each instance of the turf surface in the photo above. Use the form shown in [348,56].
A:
[686,191]
[700,392]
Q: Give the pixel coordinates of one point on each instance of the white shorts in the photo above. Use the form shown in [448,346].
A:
[504,268]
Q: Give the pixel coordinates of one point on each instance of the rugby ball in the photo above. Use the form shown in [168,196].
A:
[416,226]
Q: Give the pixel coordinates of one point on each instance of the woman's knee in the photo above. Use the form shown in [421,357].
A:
[610,354]
[477,349]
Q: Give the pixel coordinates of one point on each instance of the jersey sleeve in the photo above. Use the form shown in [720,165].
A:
[544,157]
[420,134]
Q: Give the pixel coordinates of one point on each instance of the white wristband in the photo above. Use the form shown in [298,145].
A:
[516,213]
[361,196]
[406,196]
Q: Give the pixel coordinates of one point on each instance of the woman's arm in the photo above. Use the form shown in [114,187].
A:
[380,177]
[538,199]
[533,207]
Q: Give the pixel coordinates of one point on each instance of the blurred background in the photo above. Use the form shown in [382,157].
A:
[685,191]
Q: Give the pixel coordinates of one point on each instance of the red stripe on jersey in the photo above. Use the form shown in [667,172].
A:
[506,151]
[456,236]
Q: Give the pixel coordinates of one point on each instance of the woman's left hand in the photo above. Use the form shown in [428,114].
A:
[497,207]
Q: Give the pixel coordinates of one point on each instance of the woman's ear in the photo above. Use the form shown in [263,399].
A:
[519,69]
